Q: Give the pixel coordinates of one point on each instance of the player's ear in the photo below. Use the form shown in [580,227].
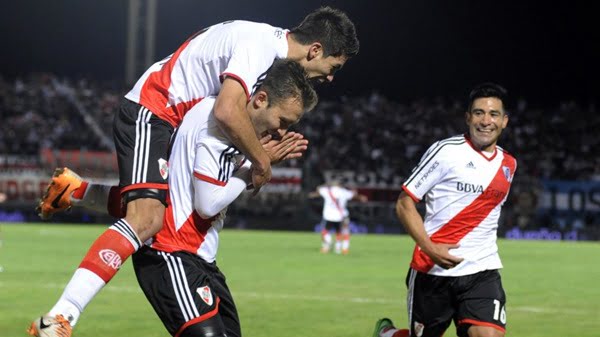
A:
[467,117]
[504,120]
[260,99]
[314,50]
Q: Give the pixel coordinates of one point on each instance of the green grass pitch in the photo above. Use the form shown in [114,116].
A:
[284,287]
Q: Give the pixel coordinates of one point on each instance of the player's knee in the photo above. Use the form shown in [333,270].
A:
[212,327]
[145,212]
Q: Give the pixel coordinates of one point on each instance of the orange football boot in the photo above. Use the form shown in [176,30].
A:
[58,194]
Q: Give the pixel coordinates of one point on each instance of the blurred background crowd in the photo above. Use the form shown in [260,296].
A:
[372,134]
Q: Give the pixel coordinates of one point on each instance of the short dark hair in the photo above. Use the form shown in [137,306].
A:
[285,79]
[332,28]
[488,89]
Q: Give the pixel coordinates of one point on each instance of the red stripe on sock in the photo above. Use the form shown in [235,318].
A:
[107,254]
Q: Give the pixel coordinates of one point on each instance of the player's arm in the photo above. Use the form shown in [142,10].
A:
[211,198]
[313,194]
[360,197]
[316,193]
[232,118]
[407,213]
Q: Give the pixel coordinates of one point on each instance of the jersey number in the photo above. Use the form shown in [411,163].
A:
[499,312]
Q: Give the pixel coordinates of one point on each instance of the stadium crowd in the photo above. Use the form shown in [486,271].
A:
[371,133]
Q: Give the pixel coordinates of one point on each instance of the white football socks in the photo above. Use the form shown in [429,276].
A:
[84,285]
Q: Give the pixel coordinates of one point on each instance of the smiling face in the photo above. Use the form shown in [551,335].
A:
[321,68]
[486,120]
[274,119]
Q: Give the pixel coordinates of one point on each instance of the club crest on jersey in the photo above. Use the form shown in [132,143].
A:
[507,174]
[205,295]
[111,258]
[163,168]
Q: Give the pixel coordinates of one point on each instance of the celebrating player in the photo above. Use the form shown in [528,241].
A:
[178,272]
[225,60]
[454,274]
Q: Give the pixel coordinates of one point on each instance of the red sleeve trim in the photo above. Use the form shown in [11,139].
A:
[209,179]
[480,323]
[239,79]
[199,318]
[412,196]
[144,186]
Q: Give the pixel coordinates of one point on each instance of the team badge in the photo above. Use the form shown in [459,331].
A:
[205,295]
[418,328]
[163,168]
[111,258]
[507,174]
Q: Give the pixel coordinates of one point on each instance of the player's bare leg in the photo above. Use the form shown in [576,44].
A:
[325,241]
[484,331]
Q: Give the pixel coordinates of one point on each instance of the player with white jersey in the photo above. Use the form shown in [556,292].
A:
[336,215]
[177,271]
[453,274]
[226,60]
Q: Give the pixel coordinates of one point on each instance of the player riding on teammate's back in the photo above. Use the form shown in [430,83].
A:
[226,60]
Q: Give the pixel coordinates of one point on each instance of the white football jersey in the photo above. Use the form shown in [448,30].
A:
[242,50]
[464,190]
[335,201]
[200,151]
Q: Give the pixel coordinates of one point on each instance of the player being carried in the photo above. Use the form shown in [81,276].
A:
[225,61]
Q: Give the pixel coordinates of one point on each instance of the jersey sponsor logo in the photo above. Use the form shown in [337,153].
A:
[419,328]
[111,258]
[490,192]
[424,177]
[469,188]
[205,295]
[163,168]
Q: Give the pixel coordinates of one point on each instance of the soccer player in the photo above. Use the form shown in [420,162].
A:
[178,272]
[226,60]
[453,275]
[207,173]
[336,215]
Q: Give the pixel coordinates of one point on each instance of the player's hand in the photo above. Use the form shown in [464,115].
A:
[290,145]
[261,173]
[439,253]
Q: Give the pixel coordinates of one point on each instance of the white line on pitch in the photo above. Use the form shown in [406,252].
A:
[304,297]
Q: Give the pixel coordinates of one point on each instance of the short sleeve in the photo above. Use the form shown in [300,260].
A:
[426,174]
